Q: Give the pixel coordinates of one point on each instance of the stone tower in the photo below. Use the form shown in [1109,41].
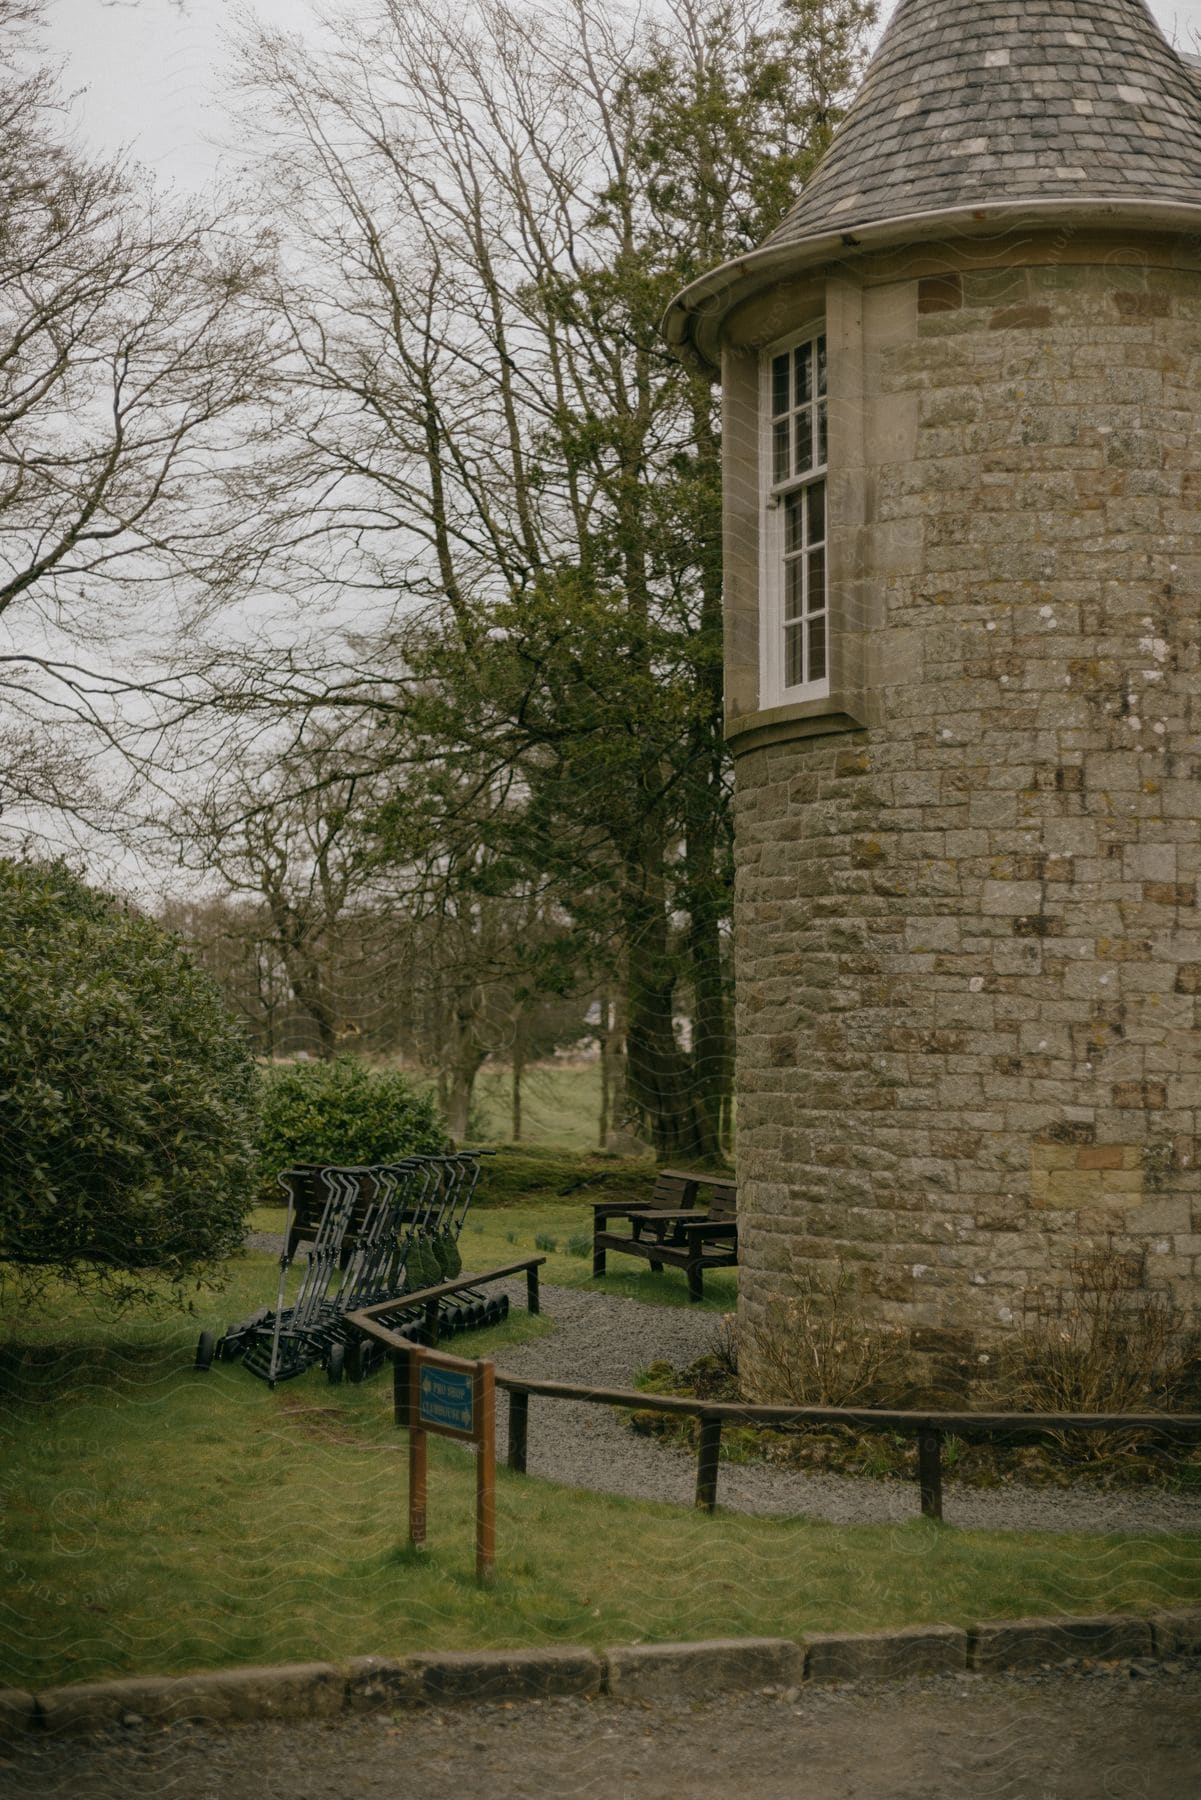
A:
[963,546]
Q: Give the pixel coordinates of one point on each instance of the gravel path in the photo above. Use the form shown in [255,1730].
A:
[605,1339]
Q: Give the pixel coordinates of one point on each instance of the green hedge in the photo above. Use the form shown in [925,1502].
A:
[340,1112]
[127,1093]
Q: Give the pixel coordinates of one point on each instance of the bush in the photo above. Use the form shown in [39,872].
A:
[1105,1345]
[814,1349]
[340,1112]
[127,1094]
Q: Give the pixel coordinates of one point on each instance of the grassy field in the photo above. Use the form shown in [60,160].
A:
[560,1106]
[157,1520]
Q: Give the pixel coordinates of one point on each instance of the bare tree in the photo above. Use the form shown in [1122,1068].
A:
[490,212]
[291,835]
[134,364]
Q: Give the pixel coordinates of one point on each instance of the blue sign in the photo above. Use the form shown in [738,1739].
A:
[445,1400]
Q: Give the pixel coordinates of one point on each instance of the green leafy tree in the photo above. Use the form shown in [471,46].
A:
[127,1091]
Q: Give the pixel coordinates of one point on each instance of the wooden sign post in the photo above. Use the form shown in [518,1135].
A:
[454,1398]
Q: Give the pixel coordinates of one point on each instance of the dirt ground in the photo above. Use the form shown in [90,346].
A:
[1109,1733]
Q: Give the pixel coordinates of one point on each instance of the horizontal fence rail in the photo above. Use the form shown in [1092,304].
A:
[929,1428]
[369,1320]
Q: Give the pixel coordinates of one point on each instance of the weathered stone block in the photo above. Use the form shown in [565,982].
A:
[292,1691]
[1029,1643]
[1149,1096]
[1100,1156]
[885,1655]
[508,1674]
[1011,897]
[1177,1633]
[690,1671]
[17,1713]
[374,1681]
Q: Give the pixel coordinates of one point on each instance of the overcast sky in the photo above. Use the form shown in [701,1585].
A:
[152,71]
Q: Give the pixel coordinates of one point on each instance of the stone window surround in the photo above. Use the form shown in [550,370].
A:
[781,319]
[772,678]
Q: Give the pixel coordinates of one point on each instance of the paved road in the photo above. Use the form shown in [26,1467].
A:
[1104,1735]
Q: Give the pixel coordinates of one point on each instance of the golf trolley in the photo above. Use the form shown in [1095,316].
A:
[374,1233]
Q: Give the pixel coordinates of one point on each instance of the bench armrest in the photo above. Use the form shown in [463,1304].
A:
[715,1228]
[604,1210]
[669,1213]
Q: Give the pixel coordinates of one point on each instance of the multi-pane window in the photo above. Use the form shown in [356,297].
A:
[796,618]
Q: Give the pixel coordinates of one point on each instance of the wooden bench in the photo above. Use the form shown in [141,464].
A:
[674,1227]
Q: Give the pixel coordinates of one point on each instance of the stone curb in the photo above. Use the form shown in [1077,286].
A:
[635,1671]
[690,1671]
[1028,1643]
[18,1711]
[885,1655]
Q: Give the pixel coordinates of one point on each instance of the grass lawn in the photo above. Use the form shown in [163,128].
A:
[161,1521]
[560,1106]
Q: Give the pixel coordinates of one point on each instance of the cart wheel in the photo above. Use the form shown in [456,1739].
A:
[504,1308]
[204,1351]
[335,1364]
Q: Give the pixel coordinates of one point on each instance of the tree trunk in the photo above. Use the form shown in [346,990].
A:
[659,1075]
[602,1039]
[710,1033]
[304,971]
[462,1061]
[459,1091]
[621,1119]
[707,872]
[518,1071]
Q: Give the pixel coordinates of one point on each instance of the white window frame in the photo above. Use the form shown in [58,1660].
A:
[784,507]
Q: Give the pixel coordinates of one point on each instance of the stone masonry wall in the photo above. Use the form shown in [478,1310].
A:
[968,939]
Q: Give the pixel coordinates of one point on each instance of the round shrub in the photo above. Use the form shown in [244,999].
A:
[340,1112]
[127,1093]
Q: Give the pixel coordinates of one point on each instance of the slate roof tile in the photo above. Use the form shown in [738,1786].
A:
[1011,104]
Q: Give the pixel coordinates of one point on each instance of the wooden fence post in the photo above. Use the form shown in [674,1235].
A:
[929,1472]
[519,1424]
[706,1462]
[484,1413]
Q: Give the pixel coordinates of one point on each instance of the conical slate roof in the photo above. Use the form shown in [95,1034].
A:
[979,115]
[972,101]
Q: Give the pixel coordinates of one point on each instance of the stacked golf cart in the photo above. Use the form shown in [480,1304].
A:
[369,1235]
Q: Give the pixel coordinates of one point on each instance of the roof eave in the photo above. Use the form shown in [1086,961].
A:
[692,323]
